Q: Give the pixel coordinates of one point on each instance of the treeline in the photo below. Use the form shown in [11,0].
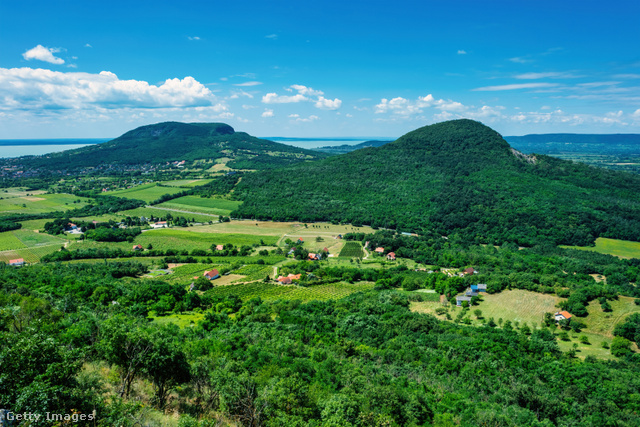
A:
[9,225]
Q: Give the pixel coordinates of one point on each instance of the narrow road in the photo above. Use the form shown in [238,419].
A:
[178,210]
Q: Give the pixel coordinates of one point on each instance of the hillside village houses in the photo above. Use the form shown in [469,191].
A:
[213,274]
[470,292]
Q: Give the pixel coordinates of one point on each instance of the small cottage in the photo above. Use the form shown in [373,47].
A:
[19,262]
[213,274]
[562,315]
[391,256]
[137,247]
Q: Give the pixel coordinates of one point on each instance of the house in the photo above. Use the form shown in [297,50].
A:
[160,224]
[294,276]
[339,236]
[391,256]
[213,274]
[137,248]
[314,257]
[482,287]
[461,299]
[379,250]
[325,250]
[71,226]
[284,280]
[219,247]
[19,262]
[300,240]
[562,315]
[471,293]
[469,271]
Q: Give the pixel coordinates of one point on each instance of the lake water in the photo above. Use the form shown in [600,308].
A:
[309,143]
[37,147]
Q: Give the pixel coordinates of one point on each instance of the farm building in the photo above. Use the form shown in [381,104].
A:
[480,287]
[72,226]
[284,280]
[314,257]
[19,262]
[379,250]
[213,274]
[300,240]
[325,250]
[469,271]
[471,293]
[219,247]
[391,256]
[461,299]
[160,224]
[137,247]
[562,315]
[294,276]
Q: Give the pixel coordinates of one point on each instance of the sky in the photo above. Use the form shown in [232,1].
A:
[318,68]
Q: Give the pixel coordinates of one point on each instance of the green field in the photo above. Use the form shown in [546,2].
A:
[145,192]
[202,205]
[619,248]
[187,183]
[18,239]
[9,241]
[41,203]
[30,255]
[599,322]
[271,292]
[352,250]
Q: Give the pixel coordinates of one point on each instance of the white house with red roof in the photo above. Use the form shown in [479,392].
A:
[391,256]
[562,315]
[19,262]
[213,274]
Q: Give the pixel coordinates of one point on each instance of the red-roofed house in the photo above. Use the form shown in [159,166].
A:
[137,248]
[391,256]
[19,262]
[563,315]
[213,274]
[294,276]
[314,257]
[284,280]
[379,250]
[325,250]
[219,247]
[300,240]
[160,224]
[469,271]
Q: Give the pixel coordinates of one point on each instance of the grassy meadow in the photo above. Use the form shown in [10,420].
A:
[145,192]
[201,205]
[619,248]
[40,203]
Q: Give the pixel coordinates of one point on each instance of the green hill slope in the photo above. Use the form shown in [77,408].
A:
[453,177]
[174,141]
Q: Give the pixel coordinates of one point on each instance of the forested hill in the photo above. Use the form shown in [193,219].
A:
[175,141]
[453,177]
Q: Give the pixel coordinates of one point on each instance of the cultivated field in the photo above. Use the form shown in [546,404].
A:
[201,205]
[145,192]
[187,183]
[41,203]
[352,250]
[271,292]
[599,322]
[619,248]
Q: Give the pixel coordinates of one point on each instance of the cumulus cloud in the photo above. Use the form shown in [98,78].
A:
[267,113]
[194,38]
[271,36]
[295,116]
[462,52]
[46,89]
[42,53]
[328,104]
[305,94]
[311,118]
[516,86]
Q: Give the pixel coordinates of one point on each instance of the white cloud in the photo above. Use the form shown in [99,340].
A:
[42,53]
[327,104]
[87,45]
[305,94]
[248,84]
[38,88]
[462,52]
[194,38]
[267,113]
[274,98]
[311,118]
[271,36]
[516,86]
[295,116]
[627,76]
[520,60]
[552,75]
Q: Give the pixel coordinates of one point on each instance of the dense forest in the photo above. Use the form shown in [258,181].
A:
[453,177]
[364,361]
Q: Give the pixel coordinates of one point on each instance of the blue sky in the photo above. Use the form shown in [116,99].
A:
[318,68]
